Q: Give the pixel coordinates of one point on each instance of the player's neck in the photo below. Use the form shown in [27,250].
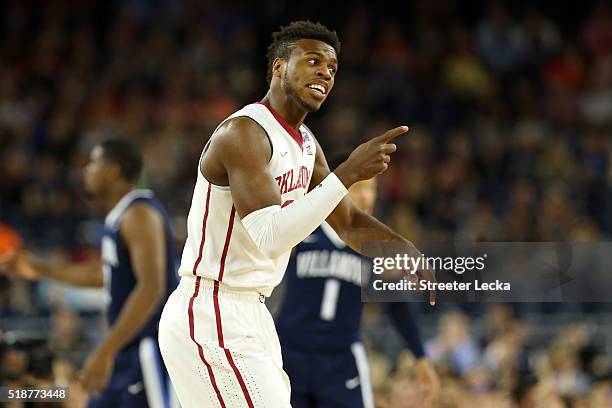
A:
[114,194]
[293,114]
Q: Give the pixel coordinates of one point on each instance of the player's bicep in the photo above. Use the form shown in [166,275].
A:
[144,234]
[252,188]
[246,151]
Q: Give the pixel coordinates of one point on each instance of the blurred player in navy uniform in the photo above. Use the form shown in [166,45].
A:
[138,271]
[320,318]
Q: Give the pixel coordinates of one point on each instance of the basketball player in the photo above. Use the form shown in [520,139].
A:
[263,185]
[138,271]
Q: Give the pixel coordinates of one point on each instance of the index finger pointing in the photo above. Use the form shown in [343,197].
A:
[391,134]
[432,292]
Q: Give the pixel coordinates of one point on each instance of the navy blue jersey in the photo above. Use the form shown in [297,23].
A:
[321,308]
[119,277]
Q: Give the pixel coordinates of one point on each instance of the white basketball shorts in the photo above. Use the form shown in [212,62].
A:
[221,348]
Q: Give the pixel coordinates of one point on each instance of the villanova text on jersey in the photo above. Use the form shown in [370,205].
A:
[322,306]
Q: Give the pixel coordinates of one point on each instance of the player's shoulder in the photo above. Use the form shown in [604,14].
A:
[239,127]
[136,196]
[142,211]
[143,217]
[143,207]
[241,136]
[245,120]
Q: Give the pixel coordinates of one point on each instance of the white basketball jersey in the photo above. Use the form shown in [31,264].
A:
[218,247]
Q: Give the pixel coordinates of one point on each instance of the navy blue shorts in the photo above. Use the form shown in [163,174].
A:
[328,379]
[139,379]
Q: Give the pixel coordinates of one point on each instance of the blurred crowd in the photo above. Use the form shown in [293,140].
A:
[509,104]
[503,362]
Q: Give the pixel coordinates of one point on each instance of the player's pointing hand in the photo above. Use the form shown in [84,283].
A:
[370,158]
[390,134]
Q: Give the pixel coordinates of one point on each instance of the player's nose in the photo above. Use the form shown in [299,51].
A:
[324,73]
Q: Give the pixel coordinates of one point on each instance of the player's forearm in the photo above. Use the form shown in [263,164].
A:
[140,305]
[88,274]
[405,320]
[276,230]
[370,237]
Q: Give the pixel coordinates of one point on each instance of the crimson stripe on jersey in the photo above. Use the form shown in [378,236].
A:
[292,132]
[200,350]
[228,355]
[218,314]
[228,236]
[245,391]
[197,263]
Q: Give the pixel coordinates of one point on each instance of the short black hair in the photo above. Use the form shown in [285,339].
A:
[126,155]
[283,39]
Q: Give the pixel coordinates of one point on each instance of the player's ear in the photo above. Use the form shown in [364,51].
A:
[278,66]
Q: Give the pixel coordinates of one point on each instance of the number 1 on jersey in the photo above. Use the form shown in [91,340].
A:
[330,299]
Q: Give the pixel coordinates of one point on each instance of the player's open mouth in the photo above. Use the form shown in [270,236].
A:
[318,91]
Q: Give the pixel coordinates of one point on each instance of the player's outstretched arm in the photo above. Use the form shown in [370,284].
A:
[144,234]
[357,228]
[26,265]
[242,150]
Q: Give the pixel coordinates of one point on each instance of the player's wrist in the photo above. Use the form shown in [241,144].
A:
[346,176]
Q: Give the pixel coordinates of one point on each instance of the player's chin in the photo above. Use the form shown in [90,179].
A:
[311,103]
[311,106]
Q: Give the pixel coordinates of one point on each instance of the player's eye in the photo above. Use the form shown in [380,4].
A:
[332,70]
[312,61]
